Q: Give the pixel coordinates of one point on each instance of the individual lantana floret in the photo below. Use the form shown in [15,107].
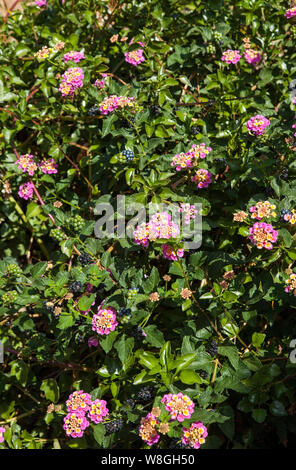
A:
[262,209]
[202,178]
[257,124]
[48,166]
[75,424]
[189,212]
[172,255]
[27,164]
[240,216]
[230,56]
[263,235]
[26,191]
[104,321]
[78,401]
[147,429]
[291,284]
[98,411]
[75,56]
[178,405]
[134,57]
[195,436]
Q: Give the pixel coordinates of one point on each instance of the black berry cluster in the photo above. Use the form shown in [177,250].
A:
[131,403]
[75,287]
[196,130]
[137,333]
[144,395]
[284,173]
[93,111]
[213,348]
[203,374]
[127,123]
[113,426]
[124,311]
[129,155]
[84,259]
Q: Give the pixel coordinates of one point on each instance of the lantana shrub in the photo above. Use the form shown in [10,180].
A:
[145,341]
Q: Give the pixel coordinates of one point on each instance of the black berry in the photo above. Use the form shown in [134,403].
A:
[130,402]
[144,395]
[212,349]
[93,111]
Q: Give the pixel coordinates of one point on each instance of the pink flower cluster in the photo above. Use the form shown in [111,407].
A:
[172,255]
[202,178]
[290,12]
[40,3]
[147,429]
[104,321]
[48,166]
[257,124]
[79,407]
[159,226]
[101,83]
[190,158]
[134,57]
[189,211]
[178,405]
[195,435]
[71,80]
[74,56]
[111,103]
[262,209]
[27,164]
[252,56]
[263,235]
[230,56]
[26,191]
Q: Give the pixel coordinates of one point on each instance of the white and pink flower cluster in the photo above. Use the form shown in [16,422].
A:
[80,407]
[111,103]
[263,235]
[160,226]
[104,321]
[27,164]
[179,406]
[74,56]
[100,83]
[71,80]
[190,159]
[257,124]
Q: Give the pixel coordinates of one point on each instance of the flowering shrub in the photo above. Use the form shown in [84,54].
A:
[134,337]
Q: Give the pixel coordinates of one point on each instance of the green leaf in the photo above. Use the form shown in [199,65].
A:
[188,376]
[277,408]
[124,347]
[259,415]
[154,336]
[257,339]
[51,390]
